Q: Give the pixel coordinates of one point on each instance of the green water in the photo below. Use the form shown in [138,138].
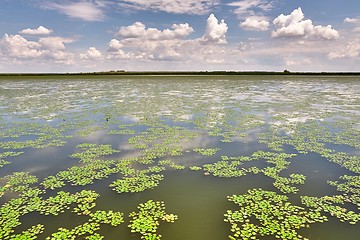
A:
[313,120]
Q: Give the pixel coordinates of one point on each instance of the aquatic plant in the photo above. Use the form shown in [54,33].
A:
[137,183]
[334,205]
[29,234]
[170,164]
[32,200]
[206,152]
[17,182]
[195,168]
[90,151]
[6,155]
[275,216]
[82,230]
[86,174]
[146,220]
[52,182]
[110,217]
[122,132]
[224,169]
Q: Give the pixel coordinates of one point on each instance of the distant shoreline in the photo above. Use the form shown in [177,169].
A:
[184,73]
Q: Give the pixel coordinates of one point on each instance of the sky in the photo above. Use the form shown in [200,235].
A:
[180,35]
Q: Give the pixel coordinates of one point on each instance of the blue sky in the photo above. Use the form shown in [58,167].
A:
[141,35]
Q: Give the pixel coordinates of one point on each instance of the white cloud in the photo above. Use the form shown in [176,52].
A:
[355,22]
[152,44]
[138,30]
[115,45]
[86,10]
[294,25]
[38,31]
[91,54]
[194,7]
[255,24]
[116,50]
[16,47]
[246,8]
[215,31]
[54,43]
[352,20]
[351,50]
[298,62]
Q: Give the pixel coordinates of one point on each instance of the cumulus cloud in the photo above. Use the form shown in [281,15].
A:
[138,30]
[139,42]
[255,24]
[17,47]
[252,13]
[85,10]
[294,25]
[115,50]
[215,30]
[54,43]
[91,54]
[351,50]
[38,31]
[246,8]
[194,7]
[115,45]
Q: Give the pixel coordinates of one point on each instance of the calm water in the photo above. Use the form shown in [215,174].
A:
[237,115]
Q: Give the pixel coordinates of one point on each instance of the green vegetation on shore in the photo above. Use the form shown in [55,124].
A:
[165,73]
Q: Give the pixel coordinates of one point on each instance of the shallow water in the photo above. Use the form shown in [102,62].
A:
[236,115]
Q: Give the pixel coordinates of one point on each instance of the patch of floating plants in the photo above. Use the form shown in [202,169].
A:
[89,229]
[137,183]
[275,216]
[230,167]
[147,219]
[206,152]
[4,155]
[91,167]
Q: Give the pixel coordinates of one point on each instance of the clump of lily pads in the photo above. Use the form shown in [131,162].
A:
[334,205]
[31,200]
[195,168]
[16,182]
[274,216]
[207,151]
[89,229]
[224,169]
[137,183]
[148,217]
[90,151]
[7,154]
[231,167]
[170,164]
[350,185]
[91,168]
[30,233]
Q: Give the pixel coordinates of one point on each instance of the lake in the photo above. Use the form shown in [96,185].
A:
[180,157]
